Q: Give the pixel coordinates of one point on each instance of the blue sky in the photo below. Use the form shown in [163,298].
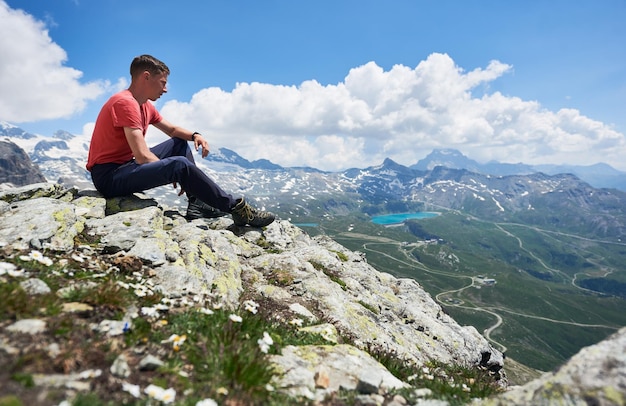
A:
[336,84]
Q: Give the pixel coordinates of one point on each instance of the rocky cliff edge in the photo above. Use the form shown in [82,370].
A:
[299,281]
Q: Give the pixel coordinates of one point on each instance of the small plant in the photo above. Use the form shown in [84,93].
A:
[334,276]
[280,277]
[17,304]
[457,384]
[342,257]
[108,294]
[26,380]
[369,307]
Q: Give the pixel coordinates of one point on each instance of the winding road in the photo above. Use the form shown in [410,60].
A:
[446,298]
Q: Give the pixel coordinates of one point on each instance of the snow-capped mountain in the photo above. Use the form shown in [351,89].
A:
[61,158]
[599,175]
[534,198]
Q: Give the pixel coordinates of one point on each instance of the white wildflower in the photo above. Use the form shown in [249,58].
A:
[123,284]
[37,256]
[140,292]
[153,391]
[160,394]
[265,342]
[205,311]
[176,341]
[217,306]
[296,322]
[206,402]
[149,311]
[234,318]
[251,306]
[134,390]
[169,396]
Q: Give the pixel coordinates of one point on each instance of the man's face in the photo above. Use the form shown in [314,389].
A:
[157,85]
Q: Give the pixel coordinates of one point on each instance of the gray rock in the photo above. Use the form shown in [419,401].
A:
[120,232]
[120,367]
[28,326]
[77,381]
[302,311]
[150,363]
[345,366]
[113,328]
[49,223]
[35,286]
[596,375]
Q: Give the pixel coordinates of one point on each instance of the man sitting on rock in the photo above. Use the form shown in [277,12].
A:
[121,163]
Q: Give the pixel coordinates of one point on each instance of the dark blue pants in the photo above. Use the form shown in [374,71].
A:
[176,164]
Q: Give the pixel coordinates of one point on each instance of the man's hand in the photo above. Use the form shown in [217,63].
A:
[198,142]
[182,191]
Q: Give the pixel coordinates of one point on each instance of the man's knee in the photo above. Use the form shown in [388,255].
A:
[177,163]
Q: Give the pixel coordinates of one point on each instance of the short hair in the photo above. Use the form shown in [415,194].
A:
[148,63]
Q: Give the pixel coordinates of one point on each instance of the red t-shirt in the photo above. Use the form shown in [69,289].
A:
[108,142]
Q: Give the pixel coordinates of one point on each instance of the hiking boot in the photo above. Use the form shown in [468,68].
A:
[197,209]
[244,214]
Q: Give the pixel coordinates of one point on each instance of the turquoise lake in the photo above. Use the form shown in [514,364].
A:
[398,218]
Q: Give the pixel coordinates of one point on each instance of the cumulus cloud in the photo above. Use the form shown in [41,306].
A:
[34,83]
[402,113]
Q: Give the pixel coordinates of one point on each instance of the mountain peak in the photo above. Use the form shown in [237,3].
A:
[448,157]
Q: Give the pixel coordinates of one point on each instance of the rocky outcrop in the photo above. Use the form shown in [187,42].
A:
[359,309]
[16,167]
[594,376]
[312,278]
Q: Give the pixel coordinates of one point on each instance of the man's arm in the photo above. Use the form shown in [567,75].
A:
[178,132]
[138,145]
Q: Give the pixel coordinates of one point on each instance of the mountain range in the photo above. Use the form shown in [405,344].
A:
[66,147]
[445,179]
[599,175]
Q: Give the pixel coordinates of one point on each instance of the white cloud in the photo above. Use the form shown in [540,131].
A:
[402,113]
[34,83]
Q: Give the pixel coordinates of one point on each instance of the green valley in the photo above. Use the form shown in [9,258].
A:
[521,286]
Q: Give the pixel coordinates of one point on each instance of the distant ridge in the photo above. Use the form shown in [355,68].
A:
[599,175]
